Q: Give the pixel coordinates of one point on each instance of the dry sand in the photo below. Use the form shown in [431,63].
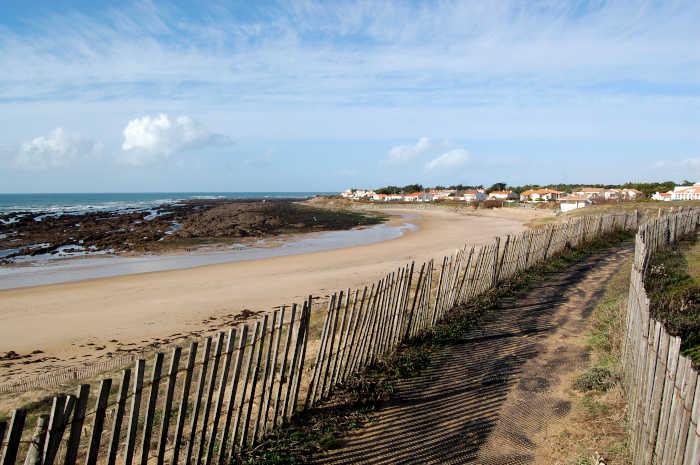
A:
[79,322]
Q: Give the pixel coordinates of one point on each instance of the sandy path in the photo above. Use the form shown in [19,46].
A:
[77,322]
[491,398]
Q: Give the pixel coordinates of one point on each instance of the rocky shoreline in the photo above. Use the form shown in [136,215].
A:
[165,228]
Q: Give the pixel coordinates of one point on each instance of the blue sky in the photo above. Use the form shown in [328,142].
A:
[307,95]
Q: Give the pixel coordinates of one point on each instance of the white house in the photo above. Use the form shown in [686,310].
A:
[663,196]
[632,194]
[686,192]
[503,195]
[590,192]
[612,194]
[441,194]
[474,195]
[539,195]
[361,194]
[573,202]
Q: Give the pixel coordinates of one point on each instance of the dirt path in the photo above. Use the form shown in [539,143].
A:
[491,398]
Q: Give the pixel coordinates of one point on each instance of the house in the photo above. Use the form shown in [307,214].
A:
[632,194]
[441,194]
[573,202]
[612,194]
[503,195]
[686,192]
[663,196]
[590,192]
[474,196]
[380,198]
[540,195]
[361,194]
[346,194]
[413,197]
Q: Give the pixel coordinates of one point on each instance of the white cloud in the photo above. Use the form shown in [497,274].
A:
[405,153]
[58,149]
[451,159]
[150,139]
[402,153]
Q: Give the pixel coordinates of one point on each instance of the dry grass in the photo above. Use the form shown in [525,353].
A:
[646,208]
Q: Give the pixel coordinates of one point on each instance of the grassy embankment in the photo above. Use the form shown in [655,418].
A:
[646,207]
[673,286]
[350,406]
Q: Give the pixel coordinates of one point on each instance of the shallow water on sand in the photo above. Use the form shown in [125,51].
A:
[42,272]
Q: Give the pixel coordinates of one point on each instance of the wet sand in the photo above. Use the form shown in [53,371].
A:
[74,323]
[55,271]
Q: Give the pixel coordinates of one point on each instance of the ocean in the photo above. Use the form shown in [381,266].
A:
[78,203]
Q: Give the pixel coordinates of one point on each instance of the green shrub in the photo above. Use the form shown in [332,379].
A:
[598,379]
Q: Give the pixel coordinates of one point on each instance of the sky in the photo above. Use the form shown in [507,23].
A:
[305,95]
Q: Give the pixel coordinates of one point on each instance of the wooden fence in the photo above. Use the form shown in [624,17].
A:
[663,394]
[225,393]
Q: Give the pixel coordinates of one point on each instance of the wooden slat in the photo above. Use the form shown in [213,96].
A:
[303,334]
[685,427]
[354,343]
[230,344]
[14,436]
[134,414]
[118,417]
[201,385]
[210,394]
[235,376]
[283,369]
[167,405]
[273,372]
[293,373]
[98,422]
[151,407]
[350,335]
[318,366]
[246,379]
[182,409]
[253,385]
[412,312]
[328,356]
[76,429]
[36,444]
[342,342]
[3,430]
[265,379]
[61,408]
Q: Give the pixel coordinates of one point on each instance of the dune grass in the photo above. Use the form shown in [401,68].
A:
[673,285]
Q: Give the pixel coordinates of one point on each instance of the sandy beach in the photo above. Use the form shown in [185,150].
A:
[73,323]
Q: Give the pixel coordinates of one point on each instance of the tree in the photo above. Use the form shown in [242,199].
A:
[411,188]
[499,186]
[389,190]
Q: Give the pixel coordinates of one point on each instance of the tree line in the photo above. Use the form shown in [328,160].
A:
[648,188]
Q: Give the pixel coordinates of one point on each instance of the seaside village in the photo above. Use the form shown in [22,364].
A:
[579,198]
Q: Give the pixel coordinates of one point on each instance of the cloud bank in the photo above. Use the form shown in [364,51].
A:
[151,139]
[56,150]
